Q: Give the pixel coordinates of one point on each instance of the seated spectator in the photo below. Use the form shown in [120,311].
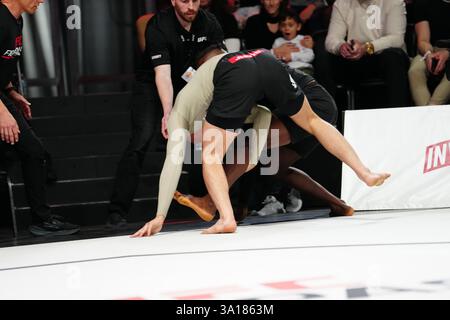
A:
[262,30]
[290,26]
[223,12]
[366,39]
[432,25]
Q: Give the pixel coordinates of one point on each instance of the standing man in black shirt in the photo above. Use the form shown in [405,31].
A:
[14,129]
[173,38]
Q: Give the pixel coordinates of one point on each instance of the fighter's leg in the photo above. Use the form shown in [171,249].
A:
[292,176]
[215,144]
[204,206]
[336,144]
[305,184]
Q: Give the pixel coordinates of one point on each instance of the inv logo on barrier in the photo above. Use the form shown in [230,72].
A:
[437,156]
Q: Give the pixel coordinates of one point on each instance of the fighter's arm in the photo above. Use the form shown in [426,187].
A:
[173,164]
[196,94]
[170,174]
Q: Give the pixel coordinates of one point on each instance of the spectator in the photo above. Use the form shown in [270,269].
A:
[262,30]
[290,26]
[432,25]
[366,38]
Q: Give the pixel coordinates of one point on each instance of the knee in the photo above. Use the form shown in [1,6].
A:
[415,72]
[417,69]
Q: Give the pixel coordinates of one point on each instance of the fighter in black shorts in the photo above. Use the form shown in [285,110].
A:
[248,77]
[294,144]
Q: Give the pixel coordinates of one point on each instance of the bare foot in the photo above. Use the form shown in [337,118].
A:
[375,179]
[202,206]
[222,226]
[341,211]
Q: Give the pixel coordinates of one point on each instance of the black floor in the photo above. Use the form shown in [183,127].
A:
[91,232]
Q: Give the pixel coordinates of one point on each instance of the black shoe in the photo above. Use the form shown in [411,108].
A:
[54,226]
[115,221]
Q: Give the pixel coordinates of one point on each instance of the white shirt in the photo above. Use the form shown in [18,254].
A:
[301,59]
[382,22]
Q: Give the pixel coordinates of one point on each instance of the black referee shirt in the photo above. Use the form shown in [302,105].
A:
[167,42]
[10,44]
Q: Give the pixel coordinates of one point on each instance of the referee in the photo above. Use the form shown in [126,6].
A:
[173,38]
[15,132]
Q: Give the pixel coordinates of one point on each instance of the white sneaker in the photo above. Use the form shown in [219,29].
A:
[271,206]
[294,202]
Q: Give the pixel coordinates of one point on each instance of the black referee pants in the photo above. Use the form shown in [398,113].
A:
[32,156]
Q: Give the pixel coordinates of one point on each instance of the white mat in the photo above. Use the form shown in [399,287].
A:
[390,255]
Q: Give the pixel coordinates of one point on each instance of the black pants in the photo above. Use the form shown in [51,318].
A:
[32,156]
[391,65]
[146,114]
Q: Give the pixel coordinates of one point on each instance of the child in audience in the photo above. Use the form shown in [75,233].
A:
[290,26]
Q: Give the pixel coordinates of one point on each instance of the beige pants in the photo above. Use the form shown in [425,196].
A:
[418,76]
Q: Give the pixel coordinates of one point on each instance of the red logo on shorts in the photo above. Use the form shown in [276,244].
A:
[437,156]
[248,55]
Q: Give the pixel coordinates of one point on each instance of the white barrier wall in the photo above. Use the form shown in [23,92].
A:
[413,144]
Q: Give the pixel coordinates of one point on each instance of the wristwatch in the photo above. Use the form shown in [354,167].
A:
[370,49]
